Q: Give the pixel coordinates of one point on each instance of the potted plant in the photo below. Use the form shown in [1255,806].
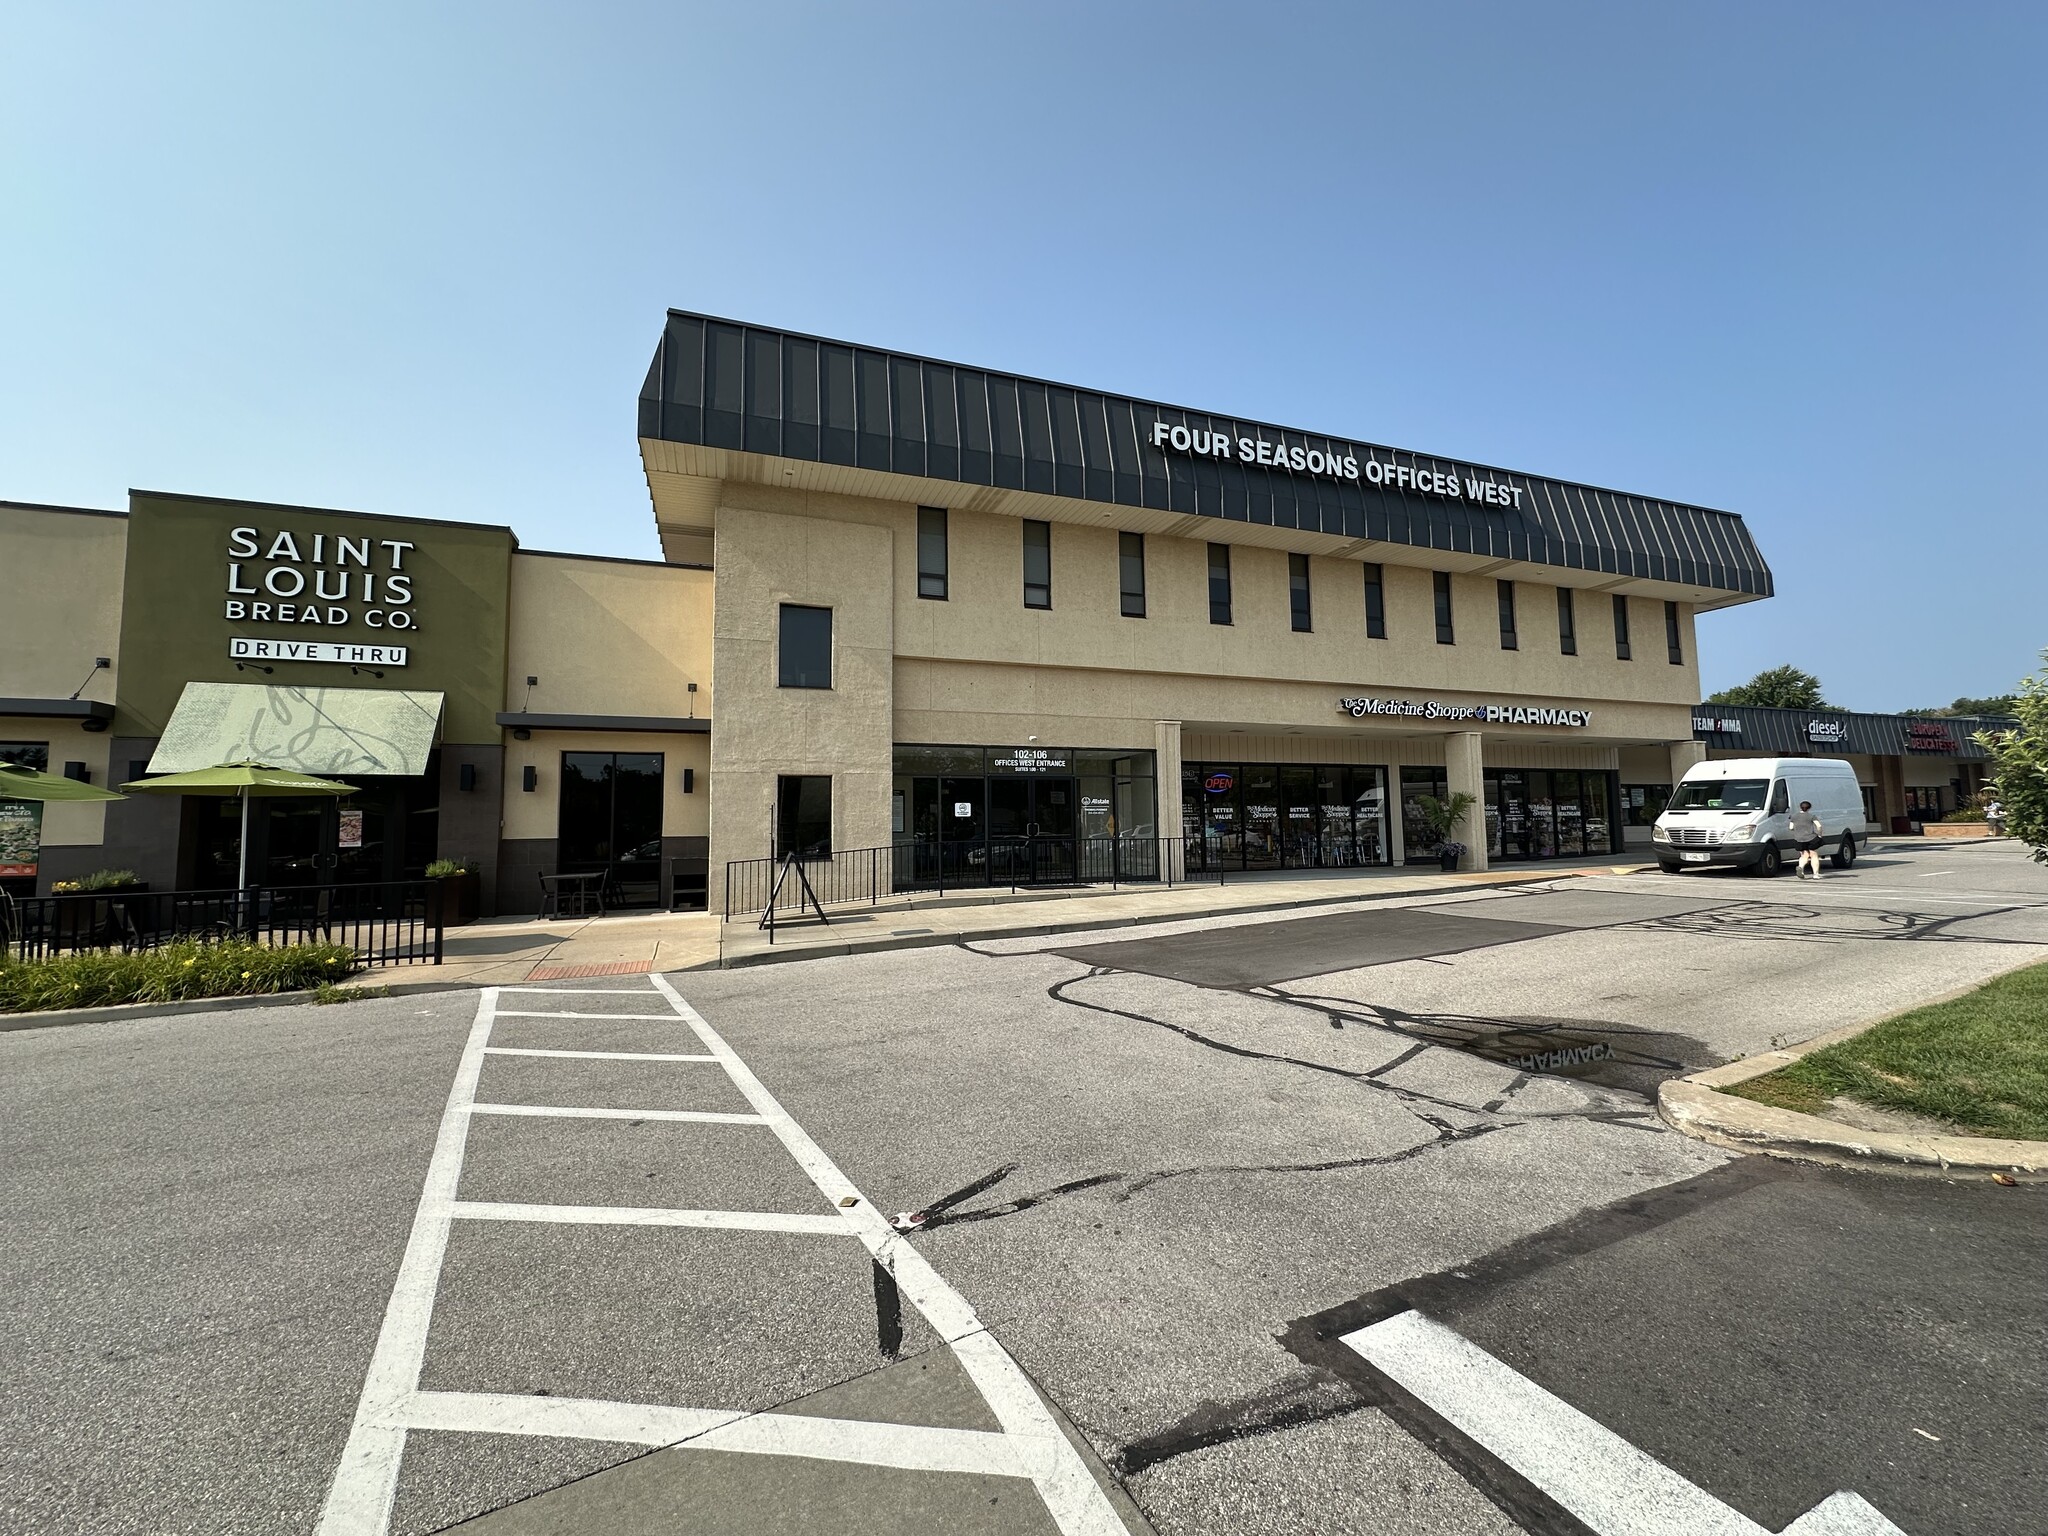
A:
[461,890]
[1442,818]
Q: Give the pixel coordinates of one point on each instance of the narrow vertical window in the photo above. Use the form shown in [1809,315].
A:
[1037,564]
[1130,570]
[1621,628]
[1297,591]
[1444,636]
[1567,624]
[1219,583]
[1375,603]
[1673,651]
[931,552]
[1508,642]
[804,647]
[803,815]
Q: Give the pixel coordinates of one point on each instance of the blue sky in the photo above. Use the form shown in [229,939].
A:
[1784,260]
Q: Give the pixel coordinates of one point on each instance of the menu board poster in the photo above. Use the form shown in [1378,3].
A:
[21,838]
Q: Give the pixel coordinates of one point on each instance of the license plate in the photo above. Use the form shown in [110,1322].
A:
[1697,858]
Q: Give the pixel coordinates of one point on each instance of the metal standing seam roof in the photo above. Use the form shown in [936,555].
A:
[1788,733]
[726,384]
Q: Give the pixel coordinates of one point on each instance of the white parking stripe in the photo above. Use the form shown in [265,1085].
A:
[359,1502]
[585,991]
[631,1018]
[645,1216]
[578,1112]
[1072,1497]
[517,1050]
[913,1447]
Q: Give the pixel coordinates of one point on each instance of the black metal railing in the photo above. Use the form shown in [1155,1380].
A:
[395,922]
[851,875]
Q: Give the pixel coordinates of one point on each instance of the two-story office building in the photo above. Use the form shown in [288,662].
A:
[996,619]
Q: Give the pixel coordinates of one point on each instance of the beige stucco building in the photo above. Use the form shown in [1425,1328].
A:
[958,624]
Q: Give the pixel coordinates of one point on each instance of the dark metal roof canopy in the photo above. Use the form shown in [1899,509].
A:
[724,384]
[1790,732]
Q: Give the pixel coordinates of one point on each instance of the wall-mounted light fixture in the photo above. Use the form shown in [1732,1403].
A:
[693,701]
[359,671]
[529,778]
[465,776]
[521,733]
[93,723]
[252,666]
[526,703]
[99,664]
[689,781]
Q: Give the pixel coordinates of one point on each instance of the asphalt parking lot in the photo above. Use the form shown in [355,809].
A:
[1158,1168]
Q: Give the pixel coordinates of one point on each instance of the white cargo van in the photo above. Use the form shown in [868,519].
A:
[1734,812]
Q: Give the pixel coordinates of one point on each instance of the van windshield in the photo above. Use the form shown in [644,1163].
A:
[1721,795]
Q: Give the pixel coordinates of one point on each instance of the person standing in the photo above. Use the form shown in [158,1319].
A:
[1994,815]
[1806,833]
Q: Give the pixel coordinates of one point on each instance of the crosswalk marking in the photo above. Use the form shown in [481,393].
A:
[1029,1445]
[522,1050]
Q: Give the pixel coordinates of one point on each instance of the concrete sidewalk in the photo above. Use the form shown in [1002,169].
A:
[512,951]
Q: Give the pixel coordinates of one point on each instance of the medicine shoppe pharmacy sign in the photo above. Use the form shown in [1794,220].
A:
[1484,714]
[218,590]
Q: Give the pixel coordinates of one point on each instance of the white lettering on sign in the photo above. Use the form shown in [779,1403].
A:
[319,578]
[1337,464]
[1827,730]
[1486,714]
[1726,725]
[243,648]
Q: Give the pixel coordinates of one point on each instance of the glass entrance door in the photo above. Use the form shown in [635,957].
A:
[611,823]
[1031,828]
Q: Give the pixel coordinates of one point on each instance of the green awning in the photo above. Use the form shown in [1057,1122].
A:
[315,730]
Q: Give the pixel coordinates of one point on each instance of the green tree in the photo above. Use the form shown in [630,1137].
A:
[1783,687]
[2020,760]
[2004,704]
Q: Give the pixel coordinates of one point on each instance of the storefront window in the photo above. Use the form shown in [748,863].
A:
[977,815]
[1283,816]
[610,823]
[1419,843]
[803,815]
[1644,803]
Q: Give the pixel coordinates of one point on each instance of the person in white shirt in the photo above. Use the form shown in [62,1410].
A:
[1994,814]
[1806,832]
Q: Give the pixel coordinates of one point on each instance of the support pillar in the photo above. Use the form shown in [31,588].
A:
[1465,773]
[1166,789]
[1684,755]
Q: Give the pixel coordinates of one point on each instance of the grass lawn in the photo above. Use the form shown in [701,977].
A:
[1979,1062]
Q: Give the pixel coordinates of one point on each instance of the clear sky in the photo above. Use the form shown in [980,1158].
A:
[1787,260]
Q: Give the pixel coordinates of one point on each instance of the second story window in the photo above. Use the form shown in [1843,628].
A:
[1375,603]
[1621,652]
[1297,592]
[804,647]
[1674,651]
[1444,634]
[931,552]
[1219,583]
[1037,564]
[1567,624]
[1508,642]
[1130,571]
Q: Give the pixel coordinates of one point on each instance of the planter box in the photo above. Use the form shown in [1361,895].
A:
[1955,829]
[461,898]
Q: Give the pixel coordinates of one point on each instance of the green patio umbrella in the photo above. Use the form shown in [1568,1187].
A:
[249,781]
[19,783]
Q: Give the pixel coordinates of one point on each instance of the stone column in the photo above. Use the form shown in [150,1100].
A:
[1464,771]
[1684,755]
[1166,785]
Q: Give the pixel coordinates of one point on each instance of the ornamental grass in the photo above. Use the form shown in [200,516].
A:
[235,968]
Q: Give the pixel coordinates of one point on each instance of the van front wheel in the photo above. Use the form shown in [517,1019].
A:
[1846,854]
[1770,863]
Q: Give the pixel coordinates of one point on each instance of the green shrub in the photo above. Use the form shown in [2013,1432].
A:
[98,880]
[442,869]
[1967,813]
[92,978]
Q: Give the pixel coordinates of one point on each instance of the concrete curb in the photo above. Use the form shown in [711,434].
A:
[1694,1106]
[114,1012]
[859,946]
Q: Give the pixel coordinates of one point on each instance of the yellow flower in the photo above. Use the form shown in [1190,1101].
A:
[245,975]
[191,962]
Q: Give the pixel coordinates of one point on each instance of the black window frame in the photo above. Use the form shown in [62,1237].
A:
[1219,571]
[1674,648]
[1567,623]
[792,807]
[1130,574]
[792,672]
[1300,615]
[1446,629]
[933,556]
[1037,594]
[1375,601]
[1509,640]
[1623,651]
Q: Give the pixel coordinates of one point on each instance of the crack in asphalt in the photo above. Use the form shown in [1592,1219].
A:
[1772,920]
